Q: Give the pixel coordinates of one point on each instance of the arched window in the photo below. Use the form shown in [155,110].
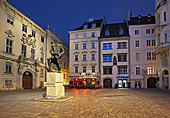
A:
[121,31]
[107,33]
[165,16]
[166,38]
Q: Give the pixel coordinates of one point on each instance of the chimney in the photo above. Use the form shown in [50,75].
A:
[91,19]
[104,20]
[128,15]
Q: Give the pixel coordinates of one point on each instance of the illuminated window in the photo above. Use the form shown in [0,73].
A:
[10,19]
[107,33]
[107,58]
[107,46]
[151,70]
[121,32]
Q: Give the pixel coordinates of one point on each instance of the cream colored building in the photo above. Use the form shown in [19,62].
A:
[84,53]
[24,47]
[162,17]
[143,61]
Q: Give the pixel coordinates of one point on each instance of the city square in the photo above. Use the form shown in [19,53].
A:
[87,103]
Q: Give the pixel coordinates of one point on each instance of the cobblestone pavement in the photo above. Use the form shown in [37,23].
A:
[88,103]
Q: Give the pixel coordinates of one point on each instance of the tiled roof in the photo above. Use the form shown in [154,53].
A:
[142,20]
[114,30]
[98,24]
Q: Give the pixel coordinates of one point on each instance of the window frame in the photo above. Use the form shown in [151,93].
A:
[8,67]
[24,28]
[24,50]
[10,19]
[9,46]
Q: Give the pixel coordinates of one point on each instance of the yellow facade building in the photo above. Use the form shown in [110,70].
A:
[24,48]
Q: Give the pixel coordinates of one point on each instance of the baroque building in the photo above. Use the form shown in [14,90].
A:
[143,59]
[24,49]
[162,17]
[114,55]
[84,54]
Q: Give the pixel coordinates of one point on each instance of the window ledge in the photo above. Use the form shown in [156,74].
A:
[107,61]
[84,60]
[121,48]
[9,53]
[107,49]
[8,73]
[93,60]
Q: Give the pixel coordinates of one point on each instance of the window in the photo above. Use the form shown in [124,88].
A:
[136,32]
[84,57]
[148,42]
[165,16]
[8,67]
[93,25]
[93,57]
[32,54]
[107,46]
[136,43]
[107,58]
[84,45]
[64,65]
[8,83]
[151,70]
[42,57]
[153,30]
[165,38]
[137,56]
[42,39]
[121,45]
[33,33]
[153,56]
[9,44]
[148,55]
[41,72]
[93,34]
[165,60]
[76,46]
[107,33]
[147,31]
[92,45]
[121,32]
[76,36]
[76,57]
[85,26]
[93,69]
[122,70]
[24,28]
[137,70]
[107,70]
[24,50]
[153,42]
[76,69]
[122,57]
[84,69]
[10,19]
[84,35]
[64,77]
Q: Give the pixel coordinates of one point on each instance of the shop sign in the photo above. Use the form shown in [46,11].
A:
[122,75]
[88,74]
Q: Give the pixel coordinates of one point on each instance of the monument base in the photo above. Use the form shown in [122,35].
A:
[54,86]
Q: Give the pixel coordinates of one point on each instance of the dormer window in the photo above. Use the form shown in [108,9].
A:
[93,25]
[107,33]
[85,26]
[121,31]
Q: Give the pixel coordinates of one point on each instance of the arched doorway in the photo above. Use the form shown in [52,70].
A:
[107,83]
[151,82]
[27,80]
[165,79]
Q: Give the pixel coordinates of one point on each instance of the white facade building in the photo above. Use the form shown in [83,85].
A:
[143,61]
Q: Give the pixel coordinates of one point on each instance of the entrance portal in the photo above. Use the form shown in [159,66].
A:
[27,80]
[165,79]
[107,83]
[151,82]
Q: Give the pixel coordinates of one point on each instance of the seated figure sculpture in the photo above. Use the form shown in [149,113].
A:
[57,52]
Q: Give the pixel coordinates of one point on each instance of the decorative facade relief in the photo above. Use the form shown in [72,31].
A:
[10,33]
[29,40]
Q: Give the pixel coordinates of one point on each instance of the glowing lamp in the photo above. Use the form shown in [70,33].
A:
[93,79]
[76,79]
[84,79]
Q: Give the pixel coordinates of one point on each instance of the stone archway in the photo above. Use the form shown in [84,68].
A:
[107,83]
[27,81]
[165,79]
[151,82]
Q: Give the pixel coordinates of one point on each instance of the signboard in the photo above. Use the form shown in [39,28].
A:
[88,74]
[122,75]
[47,84]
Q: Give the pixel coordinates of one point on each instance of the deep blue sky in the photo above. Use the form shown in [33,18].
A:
[66,15]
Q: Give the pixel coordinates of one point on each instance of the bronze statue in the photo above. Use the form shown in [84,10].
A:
[57,52]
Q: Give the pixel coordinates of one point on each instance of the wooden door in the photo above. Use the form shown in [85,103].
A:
[27,80]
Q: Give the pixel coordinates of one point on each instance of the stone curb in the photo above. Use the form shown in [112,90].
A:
[50,100]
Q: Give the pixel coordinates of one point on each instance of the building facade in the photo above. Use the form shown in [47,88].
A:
[84,54]
[24,49]
[162,17]
[143,59]
[114,55]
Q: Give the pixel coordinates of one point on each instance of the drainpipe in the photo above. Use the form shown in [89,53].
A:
[46,57]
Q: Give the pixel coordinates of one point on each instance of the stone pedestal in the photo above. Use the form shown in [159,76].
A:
[54,85]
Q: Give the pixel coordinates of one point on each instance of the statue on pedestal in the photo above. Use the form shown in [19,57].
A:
[57,52]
